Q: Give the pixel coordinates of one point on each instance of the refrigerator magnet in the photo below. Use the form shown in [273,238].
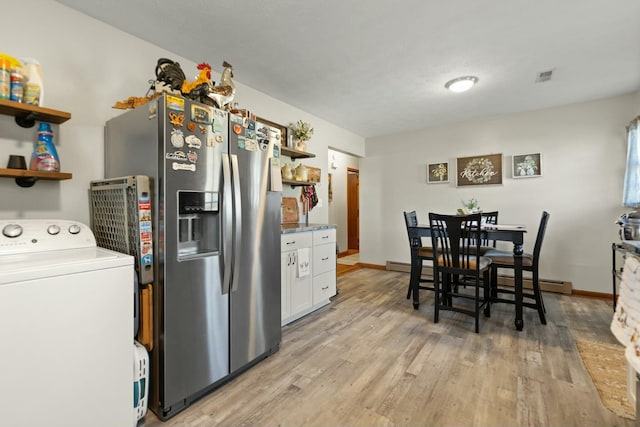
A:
[183,167]
[200,114]
[175,103]
[192,156]
[251,145]
[177,138]
[176,119]
[193,142]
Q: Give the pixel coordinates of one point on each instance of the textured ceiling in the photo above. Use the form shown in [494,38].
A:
[377,67]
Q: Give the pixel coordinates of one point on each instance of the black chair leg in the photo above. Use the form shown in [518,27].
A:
[436,308]
[538,296]
[477,305]
[494,282]
[487,289]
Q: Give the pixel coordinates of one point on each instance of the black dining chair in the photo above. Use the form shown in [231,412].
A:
[456,251]
[419,254]
[485,244]
[530,262]
[488,218]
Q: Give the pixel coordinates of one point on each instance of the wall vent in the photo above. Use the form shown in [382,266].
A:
[544,76]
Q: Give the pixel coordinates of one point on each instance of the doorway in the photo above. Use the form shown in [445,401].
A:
[353,210]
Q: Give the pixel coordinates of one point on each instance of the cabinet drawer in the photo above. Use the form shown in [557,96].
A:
[292,241]
[324,258]
[320,237]
[324,286]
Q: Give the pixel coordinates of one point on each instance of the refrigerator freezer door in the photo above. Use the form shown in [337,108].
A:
[196,316]
[255,304]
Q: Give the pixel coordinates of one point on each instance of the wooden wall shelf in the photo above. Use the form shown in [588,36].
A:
[295,154]
[26,114]
[295,183]
[23,173]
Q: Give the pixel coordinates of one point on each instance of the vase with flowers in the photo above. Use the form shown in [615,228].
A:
[471,206]
[302,132]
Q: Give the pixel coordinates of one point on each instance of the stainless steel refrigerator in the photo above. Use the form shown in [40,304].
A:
[216,236]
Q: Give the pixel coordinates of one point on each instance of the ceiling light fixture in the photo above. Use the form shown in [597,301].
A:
[461,84]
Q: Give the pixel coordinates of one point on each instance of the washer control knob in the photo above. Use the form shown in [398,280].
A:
[74,229]
[12,230]
[53,229]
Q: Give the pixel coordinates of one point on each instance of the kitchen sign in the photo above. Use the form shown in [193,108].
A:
[479,170]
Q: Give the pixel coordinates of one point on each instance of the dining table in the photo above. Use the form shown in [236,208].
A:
[502,232]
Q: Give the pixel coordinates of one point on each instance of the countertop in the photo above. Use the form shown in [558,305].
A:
[298,228]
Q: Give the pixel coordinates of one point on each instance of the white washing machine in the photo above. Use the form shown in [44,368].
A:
[66,311]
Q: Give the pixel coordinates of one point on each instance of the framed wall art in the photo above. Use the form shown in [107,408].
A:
[526,165]
[438,173]
[479,170]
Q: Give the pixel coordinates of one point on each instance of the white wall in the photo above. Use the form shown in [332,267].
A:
[338,207]
[583,160]
[88,66]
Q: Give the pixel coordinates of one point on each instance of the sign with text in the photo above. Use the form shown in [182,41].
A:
[479,170]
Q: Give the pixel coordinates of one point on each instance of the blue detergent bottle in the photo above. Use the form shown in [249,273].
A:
[45,157]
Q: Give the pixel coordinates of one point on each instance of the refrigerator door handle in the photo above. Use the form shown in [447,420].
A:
[237,206]
[227,223]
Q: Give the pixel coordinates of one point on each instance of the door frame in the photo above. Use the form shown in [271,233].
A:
[351,213]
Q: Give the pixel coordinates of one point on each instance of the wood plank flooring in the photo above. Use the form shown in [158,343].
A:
[369,359]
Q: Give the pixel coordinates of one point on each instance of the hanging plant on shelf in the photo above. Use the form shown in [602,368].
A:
[302,132]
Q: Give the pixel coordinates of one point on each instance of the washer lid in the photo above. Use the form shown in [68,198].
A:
[31,266]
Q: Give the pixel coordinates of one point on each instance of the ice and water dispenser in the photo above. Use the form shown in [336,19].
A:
[198,223]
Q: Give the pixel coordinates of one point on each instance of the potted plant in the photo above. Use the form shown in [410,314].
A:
[302,132]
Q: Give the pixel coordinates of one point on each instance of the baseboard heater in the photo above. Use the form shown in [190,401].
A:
[548,285]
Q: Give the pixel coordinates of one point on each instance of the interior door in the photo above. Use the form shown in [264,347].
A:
[353,209]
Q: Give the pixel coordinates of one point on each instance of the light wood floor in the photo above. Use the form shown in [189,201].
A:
[369,359]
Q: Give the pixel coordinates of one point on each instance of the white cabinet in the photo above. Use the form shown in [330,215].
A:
[296,290]
[302,295]
[324,266]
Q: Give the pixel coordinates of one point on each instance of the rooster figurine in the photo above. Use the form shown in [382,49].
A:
[200,88]
[223,94]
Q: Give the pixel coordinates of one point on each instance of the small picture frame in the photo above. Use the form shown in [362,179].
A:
[526,165]
[438,173]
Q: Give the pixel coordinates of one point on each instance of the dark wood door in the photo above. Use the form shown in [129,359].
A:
[353,209]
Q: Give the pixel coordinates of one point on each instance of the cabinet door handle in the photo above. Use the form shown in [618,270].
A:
[325,288]
[293,242]
[324,259]
[325,237]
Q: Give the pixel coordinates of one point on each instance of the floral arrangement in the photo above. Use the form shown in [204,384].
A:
[301,131]
[470,206]
[440,172]
[527,167]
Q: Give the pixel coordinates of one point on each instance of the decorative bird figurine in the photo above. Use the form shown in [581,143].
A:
[170,74]
[223,94]
[200,88]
